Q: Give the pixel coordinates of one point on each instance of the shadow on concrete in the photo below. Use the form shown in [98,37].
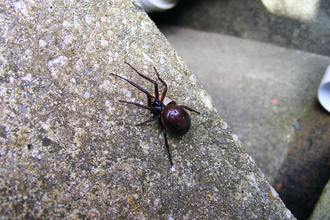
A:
[306,169]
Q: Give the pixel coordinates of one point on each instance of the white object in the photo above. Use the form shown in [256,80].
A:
[323,92]
[157,5]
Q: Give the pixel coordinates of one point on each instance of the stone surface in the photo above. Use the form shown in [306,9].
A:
[321,210]
[261,90]
[70,150]
[302,25]
[267,94]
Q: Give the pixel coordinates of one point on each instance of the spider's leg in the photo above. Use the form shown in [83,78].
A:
[190,109]
[137,104]
[167,147]
[165,86]
[147,78]
[136,86]
[150,120]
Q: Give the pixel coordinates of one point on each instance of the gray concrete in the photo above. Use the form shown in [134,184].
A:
[302,25]
[271,90]
[70,150]
[263,91]
[322,210]
[260,89]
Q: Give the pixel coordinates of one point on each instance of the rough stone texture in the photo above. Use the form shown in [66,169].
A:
[321,210]
[70,150]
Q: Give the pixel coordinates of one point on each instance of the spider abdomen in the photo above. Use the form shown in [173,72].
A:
[175,120]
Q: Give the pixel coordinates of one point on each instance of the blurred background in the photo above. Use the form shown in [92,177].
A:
[262,62]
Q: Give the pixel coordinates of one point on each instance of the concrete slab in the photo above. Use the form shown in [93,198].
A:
[69,149]
[321,210]
[302,25]
[261,90]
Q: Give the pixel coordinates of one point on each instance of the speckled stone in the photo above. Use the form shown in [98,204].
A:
[321,210]
[70,150]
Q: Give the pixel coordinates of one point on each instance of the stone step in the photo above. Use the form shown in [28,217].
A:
[267,94]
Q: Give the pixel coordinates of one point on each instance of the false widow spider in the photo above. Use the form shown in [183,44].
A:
[173,118]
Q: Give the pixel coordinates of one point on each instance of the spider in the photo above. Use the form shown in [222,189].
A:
[173,118]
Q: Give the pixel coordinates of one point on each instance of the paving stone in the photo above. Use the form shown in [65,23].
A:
[70,150]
